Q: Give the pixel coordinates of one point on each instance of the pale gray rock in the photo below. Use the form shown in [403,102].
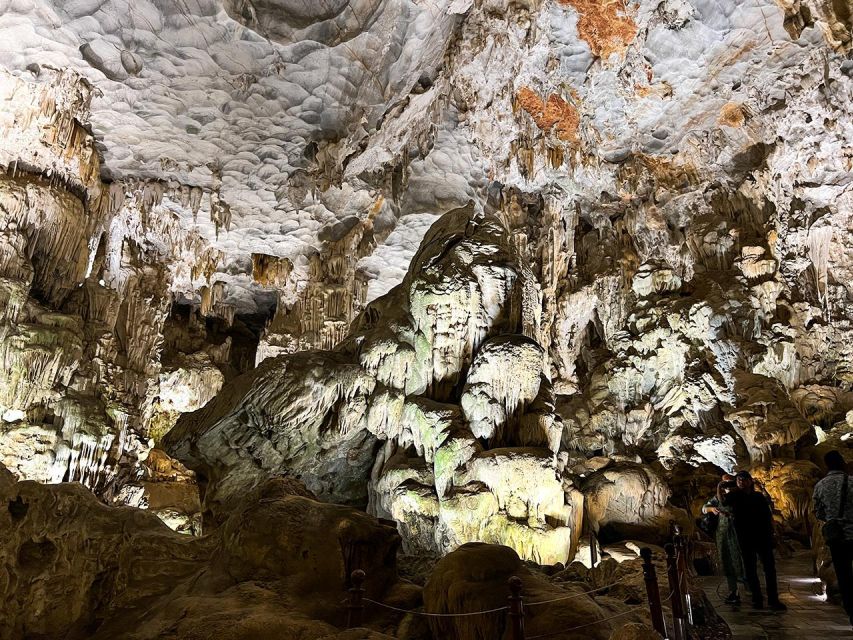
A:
[652,266]
[439,369]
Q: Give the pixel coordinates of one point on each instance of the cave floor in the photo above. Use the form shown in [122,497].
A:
[808,616]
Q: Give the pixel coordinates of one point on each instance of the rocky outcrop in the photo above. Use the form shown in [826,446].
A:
[277,568]
[335,293]
[475,578]
[89,271]
[790,485]
[438,402]
[166,488]
[263,424]
[442,372]
[627,500]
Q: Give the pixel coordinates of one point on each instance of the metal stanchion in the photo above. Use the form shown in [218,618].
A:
[355,607]
[679,623]
[652,591]
[516,609]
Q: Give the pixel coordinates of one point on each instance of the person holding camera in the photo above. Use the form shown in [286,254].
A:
[833,506]
[726,538]
[753,520]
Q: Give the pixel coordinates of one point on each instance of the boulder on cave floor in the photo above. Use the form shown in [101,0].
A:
[72,567]
[475,578]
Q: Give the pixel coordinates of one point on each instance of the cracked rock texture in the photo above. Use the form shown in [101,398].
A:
[501,271]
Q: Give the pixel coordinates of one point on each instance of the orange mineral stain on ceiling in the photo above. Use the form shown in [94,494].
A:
[605,25]
[731,115]
[551,113]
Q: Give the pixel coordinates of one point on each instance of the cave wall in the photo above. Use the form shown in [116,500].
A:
[599,247]
[89,274]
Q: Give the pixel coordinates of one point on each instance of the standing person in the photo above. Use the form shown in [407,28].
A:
[833,505]
[753,521]
[726,538]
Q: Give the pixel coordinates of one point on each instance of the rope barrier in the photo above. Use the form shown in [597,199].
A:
[505,608]
[499,609]
[594,622]
[515,614]
[577,595]
[435,615]
[588,624]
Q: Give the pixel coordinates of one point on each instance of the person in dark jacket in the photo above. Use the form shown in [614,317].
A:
[828,506]
[726,538]
[753,521]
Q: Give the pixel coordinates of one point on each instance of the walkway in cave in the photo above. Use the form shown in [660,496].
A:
[808,616]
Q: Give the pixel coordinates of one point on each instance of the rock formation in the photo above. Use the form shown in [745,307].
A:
[277,567]
[474,578]
[530,273]
[89,273]
[83,576]
[439,399]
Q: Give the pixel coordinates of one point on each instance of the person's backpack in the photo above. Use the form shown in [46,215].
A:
[708,523]
[833,529]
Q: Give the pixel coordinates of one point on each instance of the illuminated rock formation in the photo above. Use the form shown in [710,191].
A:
[166,488]
[441,371]
[509,270]
[89,270]
[334,295]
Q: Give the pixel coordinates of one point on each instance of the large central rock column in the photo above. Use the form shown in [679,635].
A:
[435,411]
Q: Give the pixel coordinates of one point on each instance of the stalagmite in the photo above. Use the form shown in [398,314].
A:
[326,408]
[90,267]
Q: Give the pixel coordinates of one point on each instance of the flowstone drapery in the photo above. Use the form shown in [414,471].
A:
[437,403]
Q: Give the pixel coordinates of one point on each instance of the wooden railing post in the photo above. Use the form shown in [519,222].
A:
[653,591]
[681,555]
[516,609]
[679,626]
[593,550]
[355,606]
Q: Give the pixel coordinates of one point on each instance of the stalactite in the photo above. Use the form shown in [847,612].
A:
[91,269]
[819,240]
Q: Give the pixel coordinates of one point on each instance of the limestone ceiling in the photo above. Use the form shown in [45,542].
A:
[305,107]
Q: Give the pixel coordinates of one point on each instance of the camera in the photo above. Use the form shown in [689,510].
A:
[729,484]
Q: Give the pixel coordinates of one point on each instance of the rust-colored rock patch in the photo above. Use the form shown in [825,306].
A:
[551,113]
[731,115]
[606,25]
